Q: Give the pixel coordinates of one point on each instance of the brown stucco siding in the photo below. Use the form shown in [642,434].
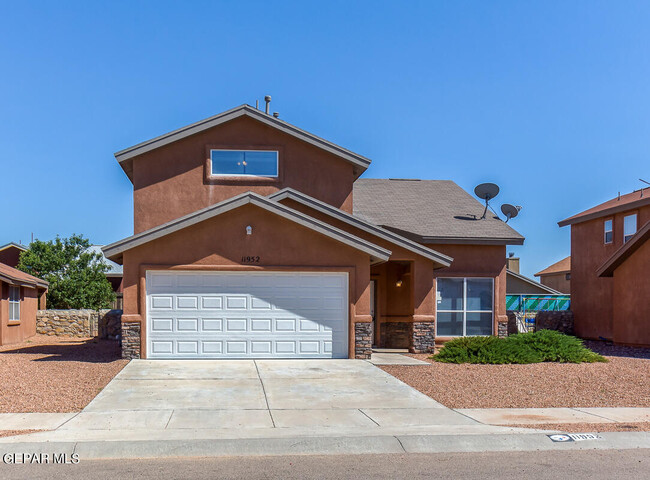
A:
[17,332]
[631,314]
[479,261]
[219,244]
[172,181]
[592,297]
[557,281]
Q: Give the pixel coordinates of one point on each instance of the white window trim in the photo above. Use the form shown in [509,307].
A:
[611,220]
[627,237]
[464,311]
[231,175]
[15,303]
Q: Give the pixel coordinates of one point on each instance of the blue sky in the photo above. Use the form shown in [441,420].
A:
[548,99]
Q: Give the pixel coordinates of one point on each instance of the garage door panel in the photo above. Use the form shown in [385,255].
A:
[261,315]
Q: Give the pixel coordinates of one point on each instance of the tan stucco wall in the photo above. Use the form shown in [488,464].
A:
[557,281]
[28,307]
[171,181]
[219,244]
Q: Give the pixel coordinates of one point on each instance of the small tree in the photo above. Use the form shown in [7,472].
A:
[76,275]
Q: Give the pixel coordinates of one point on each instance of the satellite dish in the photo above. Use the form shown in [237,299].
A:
[510,211]
[486,191]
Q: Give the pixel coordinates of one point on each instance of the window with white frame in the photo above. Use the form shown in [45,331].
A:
[629,227]
[14,304]
[248,163]
[464,306]
[609,231]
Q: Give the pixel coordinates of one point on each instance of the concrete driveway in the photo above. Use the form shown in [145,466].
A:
[308,396]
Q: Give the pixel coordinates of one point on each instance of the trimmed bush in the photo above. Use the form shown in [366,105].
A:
[522,348]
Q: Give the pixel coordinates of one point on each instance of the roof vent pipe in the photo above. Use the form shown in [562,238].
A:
[276,114]
[257,104]
[267,99]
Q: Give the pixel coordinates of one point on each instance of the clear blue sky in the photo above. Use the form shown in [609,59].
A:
[549,99]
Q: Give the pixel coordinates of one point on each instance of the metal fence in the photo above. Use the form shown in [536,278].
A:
[535,303]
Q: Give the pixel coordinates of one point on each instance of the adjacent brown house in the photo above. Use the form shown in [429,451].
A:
[610,265]
[10,254]
[20,295]
[557,276]
[256,239]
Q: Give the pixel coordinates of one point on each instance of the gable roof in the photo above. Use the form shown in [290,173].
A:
[629,201]
[624,252]
[14,245]
[530,281]
[563,266]
[125,157]
[114,251]
[430,211]
[13,276]
[116,269]
[437,257]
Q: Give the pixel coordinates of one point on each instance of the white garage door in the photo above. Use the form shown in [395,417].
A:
[247,315]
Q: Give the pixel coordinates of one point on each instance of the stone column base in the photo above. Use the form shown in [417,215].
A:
[363,340]
[130,340]
[423,337]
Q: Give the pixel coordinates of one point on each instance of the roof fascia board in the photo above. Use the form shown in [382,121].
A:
[382,233]
[604,213]
[375,251]
[23,283]
[15,245]
[131,152]
[532,282]
[473,240]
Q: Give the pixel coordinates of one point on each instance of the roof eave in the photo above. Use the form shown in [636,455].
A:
[579,218]
[124,157]
[619,256]
[532,282]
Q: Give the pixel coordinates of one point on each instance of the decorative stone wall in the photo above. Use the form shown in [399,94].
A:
[423,337]
[130,340]
[79,323]
[503,329]
[561,321]
[362,340]
[395,334]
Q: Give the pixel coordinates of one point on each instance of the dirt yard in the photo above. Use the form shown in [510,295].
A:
[622,382]
[55,374]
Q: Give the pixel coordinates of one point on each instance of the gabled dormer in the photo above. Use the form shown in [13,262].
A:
[240,150]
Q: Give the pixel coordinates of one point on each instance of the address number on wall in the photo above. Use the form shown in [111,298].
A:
[250,259]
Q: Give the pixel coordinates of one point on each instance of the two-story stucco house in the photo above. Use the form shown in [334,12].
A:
[610,269]
[256,239]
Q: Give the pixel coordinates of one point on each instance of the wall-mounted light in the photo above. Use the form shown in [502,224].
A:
[398,283]
[249,230]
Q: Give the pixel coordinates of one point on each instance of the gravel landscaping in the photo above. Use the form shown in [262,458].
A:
[589,427]
[622,382]
[55,374]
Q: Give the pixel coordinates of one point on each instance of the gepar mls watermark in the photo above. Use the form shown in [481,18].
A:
[40,458]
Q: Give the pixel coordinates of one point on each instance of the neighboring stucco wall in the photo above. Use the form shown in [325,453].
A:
[170,182]
[557,281]
[10,256]
[28,307]
[219,244]
[592,297]
[632,299]
[479,261]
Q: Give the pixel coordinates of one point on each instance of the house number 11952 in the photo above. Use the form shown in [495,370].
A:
[251,259]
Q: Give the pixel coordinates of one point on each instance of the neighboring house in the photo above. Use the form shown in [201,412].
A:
[20,296]
[254,238]
[518,284]
[557,276]
[610,261]
[10,254]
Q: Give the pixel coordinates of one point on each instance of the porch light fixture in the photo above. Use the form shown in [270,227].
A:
[249,230]
[398,283]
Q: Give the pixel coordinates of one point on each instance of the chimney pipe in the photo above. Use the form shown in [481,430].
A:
[257,104]
[267,99]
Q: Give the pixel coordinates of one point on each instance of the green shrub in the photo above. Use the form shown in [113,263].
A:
[542,346]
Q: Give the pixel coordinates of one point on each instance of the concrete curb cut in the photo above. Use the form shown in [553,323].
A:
[325,445]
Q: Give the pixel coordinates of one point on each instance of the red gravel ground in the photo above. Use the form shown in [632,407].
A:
[622,382]
[12,433]
[589,427]
[55,374]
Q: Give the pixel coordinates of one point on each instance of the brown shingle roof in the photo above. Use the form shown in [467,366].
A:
[432,211]
[624,252]
[16,277]
[563,266]
[615,205]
